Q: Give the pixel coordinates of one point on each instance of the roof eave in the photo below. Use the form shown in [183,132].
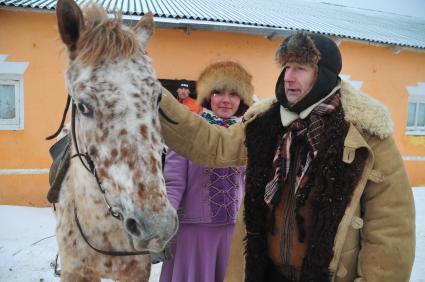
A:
[268,32]
[190,25]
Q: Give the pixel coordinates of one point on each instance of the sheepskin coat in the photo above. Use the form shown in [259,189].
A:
[375,237]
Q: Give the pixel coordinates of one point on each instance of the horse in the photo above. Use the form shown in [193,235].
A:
[112,210]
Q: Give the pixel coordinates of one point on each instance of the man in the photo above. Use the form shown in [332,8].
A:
[183,97]
[327,196]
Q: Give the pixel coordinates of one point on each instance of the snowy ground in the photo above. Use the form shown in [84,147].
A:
[28,245]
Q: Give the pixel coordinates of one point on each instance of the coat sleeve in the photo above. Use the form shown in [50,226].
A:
[175,174]
[197,140]
[388,235]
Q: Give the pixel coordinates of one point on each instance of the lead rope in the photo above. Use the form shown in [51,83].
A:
[55,265]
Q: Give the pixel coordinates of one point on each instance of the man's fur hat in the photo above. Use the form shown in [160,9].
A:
[225,75]
[299,48]
[314,49]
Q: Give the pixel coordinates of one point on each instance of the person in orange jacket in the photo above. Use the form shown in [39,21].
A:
[183,96]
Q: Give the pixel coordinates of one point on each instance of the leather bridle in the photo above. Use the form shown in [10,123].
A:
[90,166]
[92,169]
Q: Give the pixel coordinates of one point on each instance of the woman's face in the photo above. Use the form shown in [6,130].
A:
[225,103]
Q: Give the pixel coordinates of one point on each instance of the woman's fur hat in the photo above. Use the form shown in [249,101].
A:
[225,75]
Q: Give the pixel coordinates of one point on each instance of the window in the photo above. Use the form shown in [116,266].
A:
[416,110]
[356,84]
[9,104]
[11,94]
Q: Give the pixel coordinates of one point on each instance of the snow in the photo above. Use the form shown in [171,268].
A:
[28,244]
[414,8]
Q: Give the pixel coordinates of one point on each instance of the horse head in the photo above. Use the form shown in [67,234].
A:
[115,94]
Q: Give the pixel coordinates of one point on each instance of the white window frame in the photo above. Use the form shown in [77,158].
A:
[16,123]
[416,96]
[356,84]
[12,73]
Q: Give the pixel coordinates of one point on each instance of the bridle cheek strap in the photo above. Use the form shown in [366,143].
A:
[90,165]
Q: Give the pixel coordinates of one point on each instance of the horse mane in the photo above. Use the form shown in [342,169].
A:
[104,38]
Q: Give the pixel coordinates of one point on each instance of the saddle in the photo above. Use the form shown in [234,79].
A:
[61,155]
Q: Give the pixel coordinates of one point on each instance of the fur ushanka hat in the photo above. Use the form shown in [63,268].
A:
[225,75]
[312,49]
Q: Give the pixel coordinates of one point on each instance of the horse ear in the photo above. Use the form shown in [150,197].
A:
[144,29]
[70,22]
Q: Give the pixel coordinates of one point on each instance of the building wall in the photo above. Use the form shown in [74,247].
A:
[32,37]
[385,76]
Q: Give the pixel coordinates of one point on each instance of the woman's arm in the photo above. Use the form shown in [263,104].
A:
[175,174]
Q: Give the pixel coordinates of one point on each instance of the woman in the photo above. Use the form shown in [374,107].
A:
[207,199]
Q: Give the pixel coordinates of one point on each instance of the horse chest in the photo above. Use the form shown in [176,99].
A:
[78,258]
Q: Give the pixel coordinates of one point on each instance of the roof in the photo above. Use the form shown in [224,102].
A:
[268,17]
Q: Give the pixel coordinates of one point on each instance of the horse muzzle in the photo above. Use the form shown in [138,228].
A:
[151,231]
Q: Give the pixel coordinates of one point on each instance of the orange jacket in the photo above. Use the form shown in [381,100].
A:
[191,104]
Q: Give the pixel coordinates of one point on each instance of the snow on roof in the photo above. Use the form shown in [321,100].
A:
[268,17]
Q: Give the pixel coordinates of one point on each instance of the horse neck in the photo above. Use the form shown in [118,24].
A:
[83,195]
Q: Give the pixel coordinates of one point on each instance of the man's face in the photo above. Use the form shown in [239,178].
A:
[299,79]
[183,93]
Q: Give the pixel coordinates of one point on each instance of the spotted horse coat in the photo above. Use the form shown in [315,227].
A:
[116,93]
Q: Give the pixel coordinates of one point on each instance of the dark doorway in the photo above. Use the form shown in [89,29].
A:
[172,85]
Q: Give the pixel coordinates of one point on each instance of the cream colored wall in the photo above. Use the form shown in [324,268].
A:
[177,54]
[385,76]
[32,37]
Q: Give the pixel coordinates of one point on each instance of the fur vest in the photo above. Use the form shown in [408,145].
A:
[333,187]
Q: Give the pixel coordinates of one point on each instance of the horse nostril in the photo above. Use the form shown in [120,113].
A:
[131,226]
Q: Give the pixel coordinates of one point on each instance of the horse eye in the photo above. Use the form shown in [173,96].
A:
[85,109]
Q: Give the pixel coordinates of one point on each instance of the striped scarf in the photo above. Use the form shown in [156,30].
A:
[311,129]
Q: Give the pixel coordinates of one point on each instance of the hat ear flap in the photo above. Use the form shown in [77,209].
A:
[280,89]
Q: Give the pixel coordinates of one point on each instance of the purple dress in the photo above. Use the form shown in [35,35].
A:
[207,201]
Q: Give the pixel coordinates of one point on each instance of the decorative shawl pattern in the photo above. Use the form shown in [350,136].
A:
[214,119]
[222,186]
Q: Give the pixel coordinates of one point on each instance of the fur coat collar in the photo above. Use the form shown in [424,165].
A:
[367,114]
